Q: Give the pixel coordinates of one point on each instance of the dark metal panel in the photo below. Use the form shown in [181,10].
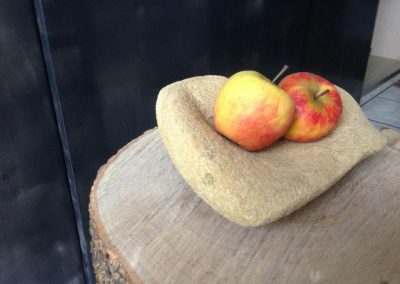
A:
[38,239]
[338,41]
[41,23]
[260,35]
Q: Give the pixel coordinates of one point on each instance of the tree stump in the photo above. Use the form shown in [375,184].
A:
[147,226]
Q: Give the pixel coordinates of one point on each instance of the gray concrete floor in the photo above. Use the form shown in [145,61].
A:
[383,108]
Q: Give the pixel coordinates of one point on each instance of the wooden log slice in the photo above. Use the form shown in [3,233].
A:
[148,226]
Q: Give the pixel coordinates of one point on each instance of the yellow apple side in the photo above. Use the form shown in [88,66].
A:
[237,99]
[241,95]
[252,111]
[301,128]
[285,108]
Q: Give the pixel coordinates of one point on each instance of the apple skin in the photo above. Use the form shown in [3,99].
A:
[252,111]
[314,118]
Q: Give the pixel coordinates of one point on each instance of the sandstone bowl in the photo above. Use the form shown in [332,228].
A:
[255,188]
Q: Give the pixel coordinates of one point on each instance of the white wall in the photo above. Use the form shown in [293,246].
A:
[386,37]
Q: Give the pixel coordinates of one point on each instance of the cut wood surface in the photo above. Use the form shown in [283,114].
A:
[148,226]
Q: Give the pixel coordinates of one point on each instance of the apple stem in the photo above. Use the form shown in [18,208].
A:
[283,70]
[321,94]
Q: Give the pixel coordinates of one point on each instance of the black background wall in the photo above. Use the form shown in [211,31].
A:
[110,58]
[38,237]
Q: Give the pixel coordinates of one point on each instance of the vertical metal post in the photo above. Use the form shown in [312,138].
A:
[48,60]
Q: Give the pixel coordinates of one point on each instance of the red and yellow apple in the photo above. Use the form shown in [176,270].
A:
[318,106]
[252,111]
